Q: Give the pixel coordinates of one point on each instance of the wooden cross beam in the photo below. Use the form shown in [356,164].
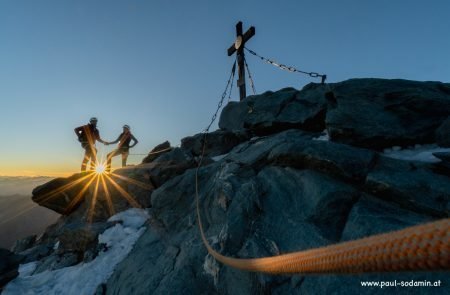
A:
[238,47]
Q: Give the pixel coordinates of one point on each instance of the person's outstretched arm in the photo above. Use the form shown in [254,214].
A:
[99,139]
[115,141]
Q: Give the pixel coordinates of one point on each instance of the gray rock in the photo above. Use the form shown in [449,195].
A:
[87,197]
[57,261]
[410,186]
[306,197]
[444,156]
[251,208]
[137,183]
[37,252]
[24,244]
[157,151]
[270,195]
[62,195]
[380,113]
[79,237]
[9,264]
[272,112]
[101,290]
[443,134]
[256,151]
[442,167]
[334,159]
[371,216]
[217,143]
[169,165]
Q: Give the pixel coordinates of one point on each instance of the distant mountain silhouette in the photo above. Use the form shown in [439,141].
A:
[20,217]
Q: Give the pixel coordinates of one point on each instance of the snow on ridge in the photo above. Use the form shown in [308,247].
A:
[323,137]
[84,278]
[421,153]
[219,157]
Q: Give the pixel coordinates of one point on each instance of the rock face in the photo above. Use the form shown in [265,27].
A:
[370,113]
[379,113]
[272,195]
[281,192]
[271,112]
[157,151]
[62,195]
[9,264]
[443,134]
[217,143]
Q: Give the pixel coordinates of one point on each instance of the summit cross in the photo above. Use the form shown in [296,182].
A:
[238,47]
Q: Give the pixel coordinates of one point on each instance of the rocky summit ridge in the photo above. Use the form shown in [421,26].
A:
[286,171]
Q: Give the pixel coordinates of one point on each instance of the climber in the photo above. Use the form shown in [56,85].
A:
[123,147]
[87,135]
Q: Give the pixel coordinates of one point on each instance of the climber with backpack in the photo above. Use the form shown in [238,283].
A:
[123,147]
[87,135]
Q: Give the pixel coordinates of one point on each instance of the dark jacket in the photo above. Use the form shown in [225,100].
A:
[88,134]
[124,140]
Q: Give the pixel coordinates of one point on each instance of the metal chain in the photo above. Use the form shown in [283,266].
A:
[205,132]
[232,82]
[252,84]
[224,94]
[287,68]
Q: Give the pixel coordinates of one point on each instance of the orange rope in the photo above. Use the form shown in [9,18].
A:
[421,247]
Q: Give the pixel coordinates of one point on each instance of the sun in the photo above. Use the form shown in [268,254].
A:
[100,168]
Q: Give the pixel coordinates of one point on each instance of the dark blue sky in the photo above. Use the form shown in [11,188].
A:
[160,66]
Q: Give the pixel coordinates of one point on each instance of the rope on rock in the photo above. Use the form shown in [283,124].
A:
[421,247]
[153,153]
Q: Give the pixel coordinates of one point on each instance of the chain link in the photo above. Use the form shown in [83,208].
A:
[288,68]
[252,84]
[232,81]
[224,94]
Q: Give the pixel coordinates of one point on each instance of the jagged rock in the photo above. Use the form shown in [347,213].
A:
[273,112]
[269,195]
[307,197]
[331,158]
[255,151]
[444,156]
[169,165]
[369,216]
[92,198]
[137,183]
[37,252]
[101,290]
[252,207]
[217,143]
[62,195]
[157,151]
[410,186]
[9,264]
[24,244]
[79,237]
[443,134]
[57,261]
[380,113]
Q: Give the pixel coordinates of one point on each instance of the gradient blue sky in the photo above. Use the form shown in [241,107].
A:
[160,66]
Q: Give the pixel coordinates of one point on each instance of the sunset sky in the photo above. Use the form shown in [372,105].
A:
[160,66]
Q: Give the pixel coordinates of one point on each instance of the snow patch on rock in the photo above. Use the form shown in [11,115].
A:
[421,153]
[84,278]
